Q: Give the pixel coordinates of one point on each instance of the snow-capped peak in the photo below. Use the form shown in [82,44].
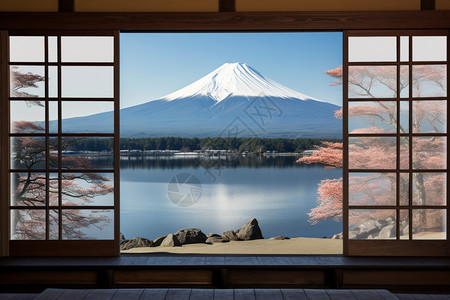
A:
[235,79]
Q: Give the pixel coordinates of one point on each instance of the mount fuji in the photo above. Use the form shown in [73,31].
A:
[233,100]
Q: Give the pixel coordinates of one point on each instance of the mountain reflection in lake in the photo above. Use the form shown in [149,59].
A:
[275,190]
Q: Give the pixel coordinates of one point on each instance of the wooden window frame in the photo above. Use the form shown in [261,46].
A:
[206,22]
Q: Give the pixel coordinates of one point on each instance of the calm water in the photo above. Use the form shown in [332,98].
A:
[226,193]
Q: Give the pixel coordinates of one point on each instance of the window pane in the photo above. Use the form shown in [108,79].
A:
[53,116]
[372,153]
[429,188]
[404,224]
[53,145]
[366,224]
[372,117]
[27,153]
[87,82]
[404,81]
[429,48]
[27,81]
[404,189]
[404,152]
[53,81]
[404,48]
[27,116]
[26,49]
[429,116]
[87,189]
[53,224]
[27,224]
[87,153]
[368,49]
[100,112]
[28,189]
[429,152]
[429,81]
[429,224]
[372,189]
[87,224]
[52,49]
[53,189]
[372,82]
[87,49]
[404,117]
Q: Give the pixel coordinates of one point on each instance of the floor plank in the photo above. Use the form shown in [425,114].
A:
[50,294]
[340,294]
[366,294]
[265,294]
[178,294]
[406,297]
[72,294]
[223,294]
[129,294]
[386,295]
[244,294]
[154,294]
[100,294]
[317,294]
[440,297]
[201,294]
[294,294]
[18,296]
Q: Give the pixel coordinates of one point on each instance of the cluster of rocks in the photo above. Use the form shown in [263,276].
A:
[249,231]
[376,229]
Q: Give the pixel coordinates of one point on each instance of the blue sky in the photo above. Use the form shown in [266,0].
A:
[156,64]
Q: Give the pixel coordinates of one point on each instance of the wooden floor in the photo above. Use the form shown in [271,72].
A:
[222,294]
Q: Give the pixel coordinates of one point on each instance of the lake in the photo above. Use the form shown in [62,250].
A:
[160,195]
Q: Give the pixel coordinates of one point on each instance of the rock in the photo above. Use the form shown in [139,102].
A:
[135,243]
[249,231]
[372,228]
[212,235]
[159,240]
[338,236]
[215,239]
[170,241]
[190,236]
[280,238]
[230,235]
[390,221]
[405,231]
[387,232]
[122,237]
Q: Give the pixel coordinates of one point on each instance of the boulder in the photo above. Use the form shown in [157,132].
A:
[230,235]
[387,232]
[250,231]
[337,236]
[190,236]
[212,235]
[159,240]
[405,231]
[280,238]
[135,243]
[121,237]
[170,241]
[215,239]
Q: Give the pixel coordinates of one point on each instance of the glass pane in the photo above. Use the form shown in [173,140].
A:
[53,224]
[429,224]
[53,189]
[99,113]
[429,116]
[366,224]
[27,81]
[429,188]
[404,81]
[372,82]
[429,48]
[372,189]
[404,48]
[372,117]
[88,224]
[404,224]
[87,49]
[53,116]
[404,152]
[27,224]
[87,82]
[53,81]
[404,189]
[53,157]
[28,189]
[87,153]
[52,49]
[429,152]
[26,49]
[368,49]
[404,116]
[372,153]
[27,153]
[429,81]
[27,116]
[88,189]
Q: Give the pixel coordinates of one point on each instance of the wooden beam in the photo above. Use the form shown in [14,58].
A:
[227,6]
[66,5]
[228,21]
[428,4]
